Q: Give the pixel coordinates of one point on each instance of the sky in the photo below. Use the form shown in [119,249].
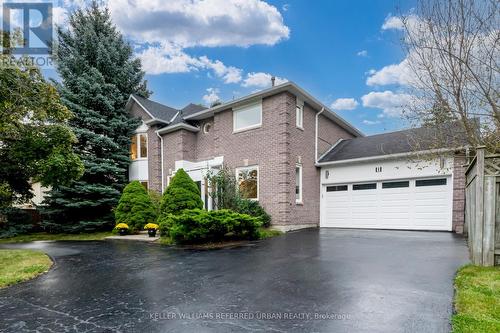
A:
[345,53]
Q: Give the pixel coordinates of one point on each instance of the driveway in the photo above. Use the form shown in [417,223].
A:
[306,281]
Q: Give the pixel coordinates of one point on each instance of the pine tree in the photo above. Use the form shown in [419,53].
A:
[181,194]
[98,75]
[135,207]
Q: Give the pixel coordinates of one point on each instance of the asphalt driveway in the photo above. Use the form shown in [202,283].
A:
[306,281]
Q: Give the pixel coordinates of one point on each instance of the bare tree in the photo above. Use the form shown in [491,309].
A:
[453,52]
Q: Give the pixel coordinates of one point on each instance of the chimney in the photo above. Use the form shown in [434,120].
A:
[273,79]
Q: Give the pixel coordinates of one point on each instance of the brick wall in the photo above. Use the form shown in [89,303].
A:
[458,218]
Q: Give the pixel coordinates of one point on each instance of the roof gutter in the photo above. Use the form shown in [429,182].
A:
[389,156]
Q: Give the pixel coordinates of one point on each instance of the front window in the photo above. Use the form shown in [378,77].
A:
[298,183]
[248,182]
[247,117]
[139,146]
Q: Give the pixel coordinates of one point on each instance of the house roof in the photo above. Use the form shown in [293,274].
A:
[287,86]
[193,112]
[449,135]
[156,110]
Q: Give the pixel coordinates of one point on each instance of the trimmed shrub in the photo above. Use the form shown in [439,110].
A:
[181,194]
[253,208]
[155,199]
[135,207]
[199,226]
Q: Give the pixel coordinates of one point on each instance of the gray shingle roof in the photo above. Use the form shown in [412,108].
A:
[410,140]
[159,111]
[192,108]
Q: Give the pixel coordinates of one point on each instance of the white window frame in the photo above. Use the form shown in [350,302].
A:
[250,167]
[243,108]
[138,152]
[299,200]
[299,114]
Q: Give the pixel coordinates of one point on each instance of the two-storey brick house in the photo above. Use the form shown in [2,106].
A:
[276,141]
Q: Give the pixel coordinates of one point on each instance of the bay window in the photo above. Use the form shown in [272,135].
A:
[139,146]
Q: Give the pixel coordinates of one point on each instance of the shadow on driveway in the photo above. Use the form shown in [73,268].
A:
[326,280]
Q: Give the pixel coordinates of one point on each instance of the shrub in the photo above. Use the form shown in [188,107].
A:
[135,207]
[253,208]
[15,221]
[198,226]
[181,194]
[155,197]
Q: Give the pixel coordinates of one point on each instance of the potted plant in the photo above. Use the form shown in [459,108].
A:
[122,228]
[151,228]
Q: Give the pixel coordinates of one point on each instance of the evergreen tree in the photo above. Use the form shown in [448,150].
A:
[182,193]
[135,207]
[98,75]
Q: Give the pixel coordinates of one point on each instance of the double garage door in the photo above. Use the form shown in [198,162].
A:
[411,204]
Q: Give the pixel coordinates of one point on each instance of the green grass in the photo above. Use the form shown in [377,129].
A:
[477,300]
[21,265]
[268,233]
[44,236]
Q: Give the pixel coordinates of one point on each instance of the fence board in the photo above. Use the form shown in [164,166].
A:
[489,221]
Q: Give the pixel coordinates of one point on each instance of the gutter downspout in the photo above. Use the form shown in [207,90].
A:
[316,138]
[161,156]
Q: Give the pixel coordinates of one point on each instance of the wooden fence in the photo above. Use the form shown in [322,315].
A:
[482,208]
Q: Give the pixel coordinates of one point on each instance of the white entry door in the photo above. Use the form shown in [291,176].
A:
[412,204]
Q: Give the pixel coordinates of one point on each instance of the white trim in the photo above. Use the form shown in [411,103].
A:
[245,108]
[175,127]
[205,131]
[389,156]
[301,188]
[250,167]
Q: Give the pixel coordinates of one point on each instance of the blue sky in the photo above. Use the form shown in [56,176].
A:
[198,51]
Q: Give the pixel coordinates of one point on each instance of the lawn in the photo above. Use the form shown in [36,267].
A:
[44,237]
[21,265]
[477,300]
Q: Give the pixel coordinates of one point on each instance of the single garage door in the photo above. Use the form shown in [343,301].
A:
[412,204]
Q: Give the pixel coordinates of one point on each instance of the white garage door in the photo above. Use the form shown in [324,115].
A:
[413,204]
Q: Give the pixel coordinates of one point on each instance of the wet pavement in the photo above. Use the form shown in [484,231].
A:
[322,280]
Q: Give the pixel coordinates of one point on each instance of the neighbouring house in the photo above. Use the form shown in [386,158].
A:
[307,166]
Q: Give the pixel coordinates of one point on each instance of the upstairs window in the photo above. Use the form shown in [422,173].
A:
[299,114]
[247,117]
[139,146]
[248,182]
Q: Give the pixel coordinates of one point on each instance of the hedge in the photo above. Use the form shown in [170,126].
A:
[135,207]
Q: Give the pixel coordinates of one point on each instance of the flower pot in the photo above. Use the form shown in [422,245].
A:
[152,232]
[122,232]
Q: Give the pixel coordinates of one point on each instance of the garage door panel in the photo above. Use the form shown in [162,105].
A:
[411,208]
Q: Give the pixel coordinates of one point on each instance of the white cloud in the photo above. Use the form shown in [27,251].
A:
[200,23]
[170,58]
[362,53]
[392,104]
[285,7]
[392,22]
[211,96]
[344,104]
[392,74]
[261,80]
[371,122]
